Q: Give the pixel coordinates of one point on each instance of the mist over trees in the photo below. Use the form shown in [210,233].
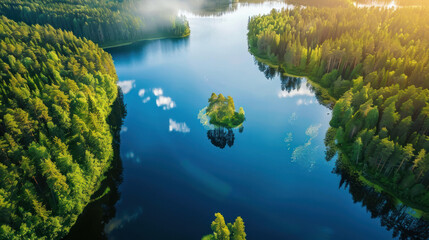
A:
[104,22]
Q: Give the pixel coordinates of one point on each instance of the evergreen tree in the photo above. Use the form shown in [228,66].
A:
[238,232]
[220,230]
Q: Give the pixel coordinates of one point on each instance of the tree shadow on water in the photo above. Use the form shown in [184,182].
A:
[220,137]
[290,83]
[393,216]
[101,209]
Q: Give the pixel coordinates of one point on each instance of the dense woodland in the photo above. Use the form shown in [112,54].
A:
[376,62]
[102,21]
[101,210]
[55,141]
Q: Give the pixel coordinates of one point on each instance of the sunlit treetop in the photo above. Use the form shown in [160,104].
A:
[222,112]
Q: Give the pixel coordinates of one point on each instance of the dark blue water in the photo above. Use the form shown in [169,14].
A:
[274,176]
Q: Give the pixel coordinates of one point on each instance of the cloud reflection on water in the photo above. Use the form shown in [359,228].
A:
[306,154]
[303,101]
[157,91]
[162,101]
[124,129]
[119,222]
[165,102]
[303,91]
[126,86]
[178,127]
[147,99]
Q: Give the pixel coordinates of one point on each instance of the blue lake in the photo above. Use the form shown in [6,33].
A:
[274,175]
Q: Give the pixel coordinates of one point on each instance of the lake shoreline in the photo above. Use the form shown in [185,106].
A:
[378,186]
[423,211]
[325,98]
[127,43]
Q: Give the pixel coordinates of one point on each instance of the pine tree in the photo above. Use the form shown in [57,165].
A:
[220,230]
[238,232]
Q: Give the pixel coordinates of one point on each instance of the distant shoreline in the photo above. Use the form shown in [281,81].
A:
[126,43]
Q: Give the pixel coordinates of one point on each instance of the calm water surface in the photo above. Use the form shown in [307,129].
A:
[274,175]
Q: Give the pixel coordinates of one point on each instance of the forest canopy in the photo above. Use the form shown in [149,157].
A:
[375,61]
[222,112]
[223,231]
[55,142]
[102,21]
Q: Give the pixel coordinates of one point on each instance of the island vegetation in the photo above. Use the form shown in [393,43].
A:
[375,61]
[220,118]
[223,231]
[107,23]
[222,112]
[55,140]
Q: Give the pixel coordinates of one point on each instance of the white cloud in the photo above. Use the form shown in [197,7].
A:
[141,92]
[126,86]
[129,155]
[300,92]
[178,127]
[292,117]
[165,102]
[304,102]
[146,100]
[119,222]
[306,154]
[157,91]
[124,129]
[289,138]
[313,130]
[162,101]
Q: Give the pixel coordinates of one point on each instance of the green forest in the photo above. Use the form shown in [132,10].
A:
[376,63]
[222,112]
[60,106]
[223,231]
[55,141]
[102,21]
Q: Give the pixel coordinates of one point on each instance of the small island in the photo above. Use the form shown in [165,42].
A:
[221,112]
